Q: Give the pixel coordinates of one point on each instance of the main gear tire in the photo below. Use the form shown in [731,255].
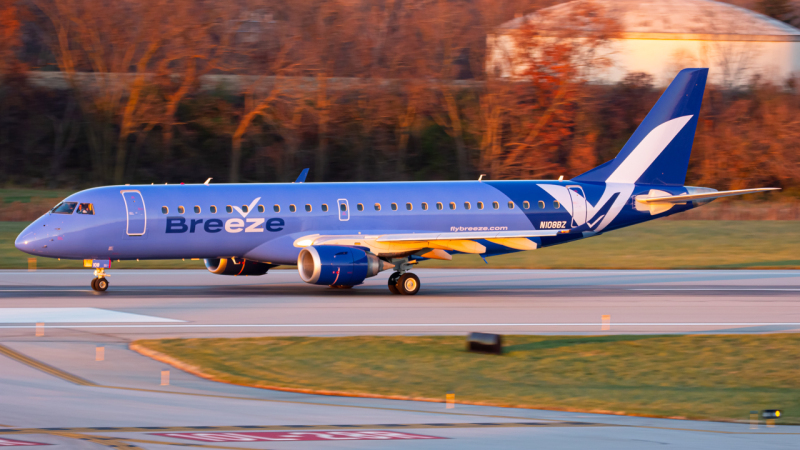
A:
[408,284]
[393,283]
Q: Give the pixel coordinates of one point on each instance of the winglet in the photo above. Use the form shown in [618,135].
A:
[302,177]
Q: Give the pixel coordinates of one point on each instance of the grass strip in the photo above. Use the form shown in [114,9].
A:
[686,244]
[708,377]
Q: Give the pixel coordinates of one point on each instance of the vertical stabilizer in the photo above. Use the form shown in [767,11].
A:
[658,151]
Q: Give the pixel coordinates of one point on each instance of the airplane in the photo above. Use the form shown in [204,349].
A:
[339,234]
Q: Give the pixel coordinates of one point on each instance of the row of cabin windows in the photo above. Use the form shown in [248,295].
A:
[360,207]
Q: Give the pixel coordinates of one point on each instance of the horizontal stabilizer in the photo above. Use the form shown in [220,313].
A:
[704,196]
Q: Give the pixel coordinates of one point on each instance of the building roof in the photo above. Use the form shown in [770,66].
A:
[668,19]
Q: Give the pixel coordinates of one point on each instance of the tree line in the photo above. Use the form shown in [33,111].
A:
[153,91]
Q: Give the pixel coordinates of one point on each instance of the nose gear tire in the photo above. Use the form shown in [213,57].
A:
[101,284]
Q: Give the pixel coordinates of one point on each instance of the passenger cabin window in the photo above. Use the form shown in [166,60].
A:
[480,205]
[541,204]
[526,204]
[439,206]
[229,209]
[261,208]
[377,206]
[510,205]
[244,208]
[213,209]
[324,207]
[360,207]
[424,206]
[343,207]
[164,210]
[495,205]
[85,208]
[181,210]
[467,206]
[308,207]
[409,207]
[556,204]
[394,206]
[452,205]
[64,208]
[276,208]
[196,209]
[292,208]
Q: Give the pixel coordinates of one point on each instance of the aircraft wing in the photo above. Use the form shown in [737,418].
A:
[435,245]
[704,196]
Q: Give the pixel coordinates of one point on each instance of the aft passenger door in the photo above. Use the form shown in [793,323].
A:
[136,215]
[578,205]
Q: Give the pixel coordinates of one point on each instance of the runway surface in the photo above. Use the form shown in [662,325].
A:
[53,391]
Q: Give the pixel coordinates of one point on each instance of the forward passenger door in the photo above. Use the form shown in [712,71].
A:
[135,211]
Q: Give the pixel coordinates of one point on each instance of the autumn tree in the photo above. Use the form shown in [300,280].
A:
[9,36]
[555,58]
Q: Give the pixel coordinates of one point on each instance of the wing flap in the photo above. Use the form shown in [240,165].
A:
[467,235]
[435,243]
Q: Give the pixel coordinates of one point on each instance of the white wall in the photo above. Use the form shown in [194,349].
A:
[732,63]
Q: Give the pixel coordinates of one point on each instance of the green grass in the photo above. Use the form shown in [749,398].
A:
[25,195]
[685,244]
[711,377]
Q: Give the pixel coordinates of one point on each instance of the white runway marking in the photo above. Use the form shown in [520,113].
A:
[44,290]
[404,325]
[73,315]
[715,289]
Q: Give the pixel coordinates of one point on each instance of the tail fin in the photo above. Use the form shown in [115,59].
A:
[658,151]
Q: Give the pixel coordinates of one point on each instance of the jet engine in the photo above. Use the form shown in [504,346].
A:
[236,266]
[338,266]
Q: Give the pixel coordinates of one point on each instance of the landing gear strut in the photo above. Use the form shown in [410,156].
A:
[402,281]
[100,283]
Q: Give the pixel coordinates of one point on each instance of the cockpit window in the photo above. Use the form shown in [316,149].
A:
[85,208]
[64,208]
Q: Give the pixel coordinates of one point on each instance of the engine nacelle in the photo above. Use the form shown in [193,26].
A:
[236,266]
[338,266]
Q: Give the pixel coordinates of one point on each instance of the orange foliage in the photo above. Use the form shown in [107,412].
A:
[9,36]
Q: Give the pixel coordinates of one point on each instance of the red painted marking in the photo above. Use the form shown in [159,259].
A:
[260,436]
[13,443]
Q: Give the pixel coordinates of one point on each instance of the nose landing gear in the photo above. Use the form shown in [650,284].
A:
[100,283]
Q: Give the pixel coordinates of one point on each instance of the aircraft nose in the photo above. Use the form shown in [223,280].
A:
[31,240]
[24,242]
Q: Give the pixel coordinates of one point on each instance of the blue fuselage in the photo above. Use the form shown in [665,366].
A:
[261,222]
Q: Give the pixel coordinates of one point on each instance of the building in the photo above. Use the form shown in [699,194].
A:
[660,37]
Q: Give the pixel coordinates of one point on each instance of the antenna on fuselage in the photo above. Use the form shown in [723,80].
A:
[302,177]
[208,181]
[480,178]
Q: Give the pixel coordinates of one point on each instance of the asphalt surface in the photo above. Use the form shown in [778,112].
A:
[53,391]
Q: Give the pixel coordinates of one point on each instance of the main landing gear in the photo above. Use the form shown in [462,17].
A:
[402,282]
[100,283]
